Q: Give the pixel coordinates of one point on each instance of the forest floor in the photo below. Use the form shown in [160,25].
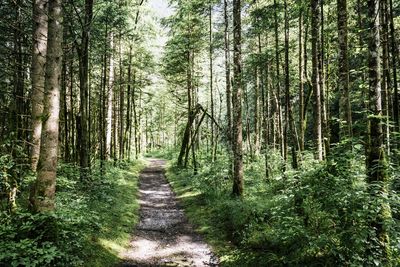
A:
[164,237]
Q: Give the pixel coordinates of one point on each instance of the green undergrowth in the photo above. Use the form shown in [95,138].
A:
[91,226]
[315,216]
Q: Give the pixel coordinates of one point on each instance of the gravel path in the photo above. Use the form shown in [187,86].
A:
[163,236]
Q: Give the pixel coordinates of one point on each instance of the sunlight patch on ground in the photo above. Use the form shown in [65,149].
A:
[111,245]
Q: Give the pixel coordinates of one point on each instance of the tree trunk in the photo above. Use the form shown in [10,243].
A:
[343,82]
[323,90]
[211,87]
[110,98]
[395,56]
[227,75]
[84,89]
[128,128]
[121,104]
[45,186]
[278,85]
[38,75]
[316,48]
[237,101]
[376,156]
[287,84]
[385,81]
[301,76]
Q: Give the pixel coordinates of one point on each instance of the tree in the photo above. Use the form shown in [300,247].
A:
[44,190]
[376,155]
[83,52]
[38,75]
[236,100]
[316,50]
[343,83]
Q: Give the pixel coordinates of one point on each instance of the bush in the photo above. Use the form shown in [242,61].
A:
[315,216]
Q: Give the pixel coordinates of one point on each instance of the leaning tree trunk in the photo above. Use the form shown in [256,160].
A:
[376,156]
[38,74]
[44,190]
[237,101]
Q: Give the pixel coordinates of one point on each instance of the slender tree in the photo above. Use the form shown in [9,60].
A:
[237,101]
[83,52]
[227,73]
[376,155]
[343,83]
[316,50]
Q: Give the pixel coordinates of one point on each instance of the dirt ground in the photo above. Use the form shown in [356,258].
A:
[163,236]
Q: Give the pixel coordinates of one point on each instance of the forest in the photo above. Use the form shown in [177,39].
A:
[199,133]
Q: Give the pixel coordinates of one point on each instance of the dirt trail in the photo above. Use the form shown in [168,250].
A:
[163,236]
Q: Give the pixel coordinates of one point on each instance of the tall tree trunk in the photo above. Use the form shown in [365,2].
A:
[237,101]
[395,57]
[44,190]
[121,104]
[301,76]
[128,128]
[227,74]
[257,107]
[278,84]
[110,98]
[211,87]
[376,156]
[316,50]
[343,82]
[38,75]
[84,90]
[324,91]
[64,94]
[287,83]
[385,81]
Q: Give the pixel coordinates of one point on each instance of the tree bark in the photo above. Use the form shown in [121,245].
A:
[227,75]
[376,156]
[385,81]
[395,56]
[301,76]
[211,87]
[278,85]
[45,186]
[84,90]
[316,48]
[110,98]
[237,101]
[343,82]
[38,75]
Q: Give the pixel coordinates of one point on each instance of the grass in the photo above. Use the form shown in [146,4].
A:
[200,212]
[91,226]
[117,208]
[310,217]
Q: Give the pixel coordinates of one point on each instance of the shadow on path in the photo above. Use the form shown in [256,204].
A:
[163,236]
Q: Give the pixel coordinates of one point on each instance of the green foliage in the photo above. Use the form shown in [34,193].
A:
[91,225]
[316,216]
